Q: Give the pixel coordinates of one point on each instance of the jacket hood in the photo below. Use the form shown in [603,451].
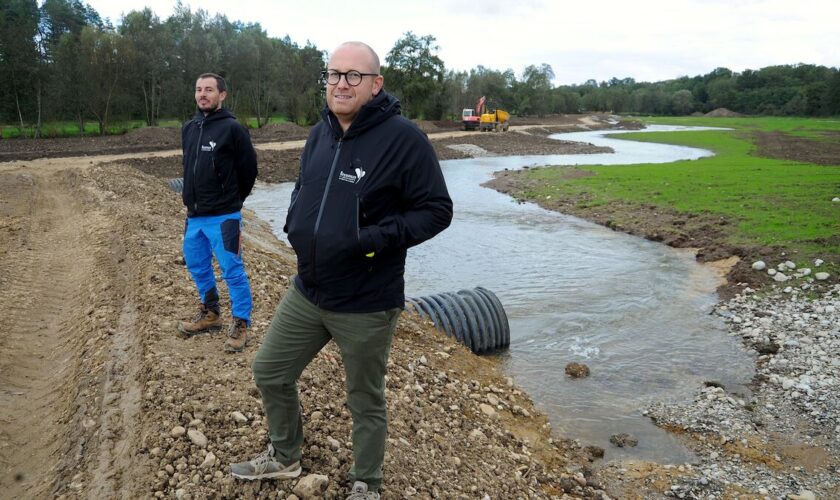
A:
[215,115]
[379,109]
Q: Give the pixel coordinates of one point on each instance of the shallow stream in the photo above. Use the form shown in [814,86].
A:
[636,312]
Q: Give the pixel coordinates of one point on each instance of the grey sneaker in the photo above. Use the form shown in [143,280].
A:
[360,492]
[265,466]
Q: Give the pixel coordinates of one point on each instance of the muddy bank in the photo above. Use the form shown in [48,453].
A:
[135,411]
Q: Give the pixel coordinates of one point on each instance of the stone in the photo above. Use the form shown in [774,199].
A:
[623,439]
[197,437]
[313,485]
[488,410]
[177,431]
[803,495]
[790,264]
[238,417]
[577,370]
[780,277]
[209,461]
[821,276]
[759,265]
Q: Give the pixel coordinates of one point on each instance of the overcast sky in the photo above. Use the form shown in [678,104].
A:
[648,40]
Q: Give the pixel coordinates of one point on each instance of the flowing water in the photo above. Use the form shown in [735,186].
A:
[636,312]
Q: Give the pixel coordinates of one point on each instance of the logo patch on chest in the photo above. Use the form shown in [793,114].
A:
[352,178]
[210,147]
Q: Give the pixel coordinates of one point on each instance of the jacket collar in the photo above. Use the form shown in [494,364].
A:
[379,109]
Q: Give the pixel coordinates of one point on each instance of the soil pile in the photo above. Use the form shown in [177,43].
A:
[722,112]
[274,132]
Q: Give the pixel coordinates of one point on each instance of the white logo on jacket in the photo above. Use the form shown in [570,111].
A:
[211,147]
[352,178]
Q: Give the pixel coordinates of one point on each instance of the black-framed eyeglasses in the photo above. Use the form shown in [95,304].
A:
[353,77]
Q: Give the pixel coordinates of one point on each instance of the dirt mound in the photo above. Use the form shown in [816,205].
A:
[722,112]
[162,136]
[279,132]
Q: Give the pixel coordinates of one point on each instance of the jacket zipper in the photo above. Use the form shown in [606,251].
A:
[195,164]
[320,213]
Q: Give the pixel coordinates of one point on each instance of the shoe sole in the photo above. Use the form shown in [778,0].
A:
[272,475]
[185,334]
[231,349]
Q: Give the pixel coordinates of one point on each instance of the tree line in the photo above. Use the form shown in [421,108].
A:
[61,61]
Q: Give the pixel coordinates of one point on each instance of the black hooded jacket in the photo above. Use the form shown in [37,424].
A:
[220,164]
[361,200]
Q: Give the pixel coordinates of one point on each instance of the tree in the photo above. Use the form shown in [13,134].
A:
[148,45]
[18,51]
[415,74]
[101,61]
[535,92]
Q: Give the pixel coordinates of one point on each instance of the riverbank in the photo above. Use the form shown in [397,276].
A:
[778,440]
[107,401]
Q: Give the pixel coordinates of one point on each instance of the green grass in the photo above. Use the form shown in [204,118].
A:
[71,129]
[770,202]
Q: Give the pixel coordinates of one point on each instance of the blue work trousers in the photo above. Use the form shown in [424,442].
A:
[219,235]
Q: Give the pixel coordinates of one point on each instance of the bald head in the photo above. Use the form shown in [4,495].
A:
[370,57]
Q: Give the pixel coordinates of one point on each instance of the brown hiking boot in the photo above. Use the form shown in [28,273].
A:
[237,336]
[206,320]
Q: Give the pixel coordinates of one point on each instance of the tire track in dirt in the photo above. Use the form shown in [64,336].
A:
[41,286]
[69,375]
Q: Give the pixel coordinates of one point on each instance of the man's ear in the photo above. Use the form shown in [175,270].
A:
[222,96]
[378,83]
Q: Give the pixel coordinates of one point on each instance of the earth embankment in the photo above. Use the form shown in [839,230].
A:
[101,398]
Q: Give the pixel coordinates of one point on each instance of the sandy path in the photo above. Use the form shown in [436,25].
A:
[59,276]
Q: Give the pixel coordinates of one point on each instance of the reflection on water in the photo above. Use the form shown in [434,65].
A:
[635,311]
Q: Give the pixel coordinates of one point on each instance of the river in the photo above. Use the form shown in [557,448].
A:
[635,311]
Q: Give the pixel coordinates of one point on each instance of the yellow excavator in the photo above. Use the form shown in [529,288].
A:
[484,119]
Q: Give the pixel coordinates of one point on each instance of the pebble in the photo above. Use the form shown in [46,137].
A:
[794,393]
[177,431]
[197,437]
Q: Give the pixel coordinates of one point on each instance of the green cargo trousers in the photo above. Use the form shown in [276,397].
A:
[298,331]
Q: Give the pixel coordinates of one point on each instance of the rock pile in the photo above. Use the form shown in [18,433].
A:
[781,440]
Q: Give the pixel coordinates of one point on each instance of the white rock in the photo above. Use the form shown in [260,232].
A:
[313,485]
[209,461]
[197,437]
[803,495]
[177,431]
[822,276]
[788,289]
[238,417]
[759,265]
[790,264]
[771,271]
[477,434]
[780,277]
[488,410]
[835,199]
[805,271]
[818,262]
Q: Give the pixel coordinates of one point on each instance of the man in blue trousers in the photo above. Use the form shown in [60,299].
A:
[220,167]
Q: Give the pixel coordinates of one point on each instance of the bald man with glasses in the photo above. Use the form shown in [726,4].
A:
[369,188]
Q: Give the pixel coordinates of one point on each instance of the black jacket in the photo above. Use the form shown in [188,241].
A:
[220,164]
[376,188]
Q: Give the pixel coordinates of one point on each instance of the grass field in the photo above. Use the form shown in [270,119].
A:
[71,129]
[769,202]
